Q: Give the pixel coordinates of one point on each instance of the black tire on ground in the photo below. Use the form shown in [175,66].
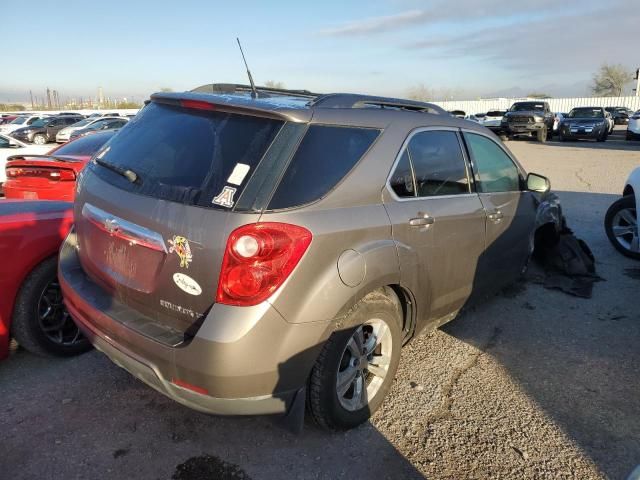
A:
[26,328]
[40,139]
[322,398]
[626,202]
[629,136]
[603,137]
[541,135]
[549,135]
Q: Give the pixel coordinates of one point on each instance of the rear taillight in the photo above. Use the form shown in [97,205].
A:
[55,174]
[258,259]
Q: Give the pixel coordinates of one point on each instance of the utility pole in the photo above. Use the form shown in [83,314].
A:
[637,79]
[31,96]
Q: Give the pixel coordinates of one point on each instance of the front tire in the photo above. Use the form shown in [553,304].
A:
[621,225]
[356,366]
[542,135]
[39,139]
[41,324]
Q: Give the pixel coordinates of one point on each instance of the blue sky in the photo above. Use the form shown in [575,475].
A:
[453,47]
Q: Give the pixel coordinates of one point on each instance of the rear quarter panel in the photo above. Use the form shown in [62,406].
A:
[26,239]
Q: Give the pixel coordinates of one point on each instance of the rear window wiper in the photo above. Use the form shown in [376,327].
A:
[124,172]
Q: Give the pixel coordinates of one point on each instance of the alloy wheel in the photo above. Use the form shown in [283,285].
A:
[364,365]
[625,229]
[53,318]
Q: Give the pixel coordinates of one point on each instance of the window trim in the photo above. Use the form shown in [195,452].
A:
[474,168]
[404,147]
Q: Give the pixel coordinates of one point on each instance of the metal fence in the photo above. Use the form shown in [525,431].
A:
[557,104]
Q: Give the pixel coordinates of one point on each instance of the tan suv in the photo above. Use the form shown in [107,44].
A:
[251,254]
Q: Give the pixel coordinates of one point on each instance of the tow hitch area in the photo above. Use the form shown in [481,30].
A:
[567,265]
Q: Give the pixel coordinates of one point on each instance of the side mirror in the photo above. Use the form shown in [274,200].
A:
[538,183]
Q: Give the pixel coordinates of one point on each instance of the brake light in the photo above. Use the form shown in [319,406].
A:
[258,259]
[197,104]
[54,174]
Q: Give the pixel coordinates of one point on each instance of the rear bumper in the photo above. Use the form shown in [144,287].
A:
[242,361]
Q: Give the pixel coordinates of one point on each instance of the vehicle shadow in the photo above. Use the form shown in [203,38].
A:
[102,419]
[577,359]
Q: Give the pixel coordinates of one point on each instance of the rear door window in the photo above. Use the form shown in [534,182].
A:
[438,164]
[325,155]
[187,155]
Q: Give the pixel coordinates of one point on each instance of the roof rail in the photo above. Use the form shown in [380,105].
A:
[264,92]
[351,100]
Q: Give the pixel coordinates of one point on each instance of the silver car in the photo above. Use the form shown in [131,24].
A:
[252,253]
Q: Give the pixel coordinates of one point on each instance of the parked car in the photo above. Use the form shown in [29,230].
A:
[7,119]
[621,220]
[476,117]
[10,146]
[31,308]
[557,119]
[529,118]
[99,126]
[245,256]
[493,119]
[44,130]
[585,123]
[52,176]
[620,114]
[19,122]
[633,129]
[64,135]
[458,113]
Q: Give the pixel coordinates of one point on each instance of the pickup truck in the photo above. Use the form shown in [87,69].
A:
[531,118]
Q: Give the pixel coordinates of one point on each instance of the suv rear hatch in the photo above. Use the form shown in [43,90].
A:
[152,209]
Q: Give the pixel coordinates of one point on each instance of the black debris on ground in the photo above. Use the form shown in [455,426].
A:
[208,467]
[568,265]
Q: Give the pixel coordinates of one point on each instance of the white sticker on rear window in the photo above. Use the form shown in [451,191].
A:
[225,198]
[239,172]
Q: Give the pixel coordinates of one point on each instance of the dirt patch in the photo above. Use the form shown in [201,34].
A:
[207,467]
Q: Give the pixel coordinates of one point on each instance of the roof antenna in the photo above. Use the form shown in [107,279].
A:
[254,92]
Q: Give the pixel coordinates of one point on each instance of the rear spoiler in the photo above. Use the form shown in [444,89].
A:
[266,108]
[48,157]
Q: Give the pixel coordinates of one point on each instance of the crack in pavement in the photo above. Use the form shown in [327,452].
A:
[443,412]
[581,179]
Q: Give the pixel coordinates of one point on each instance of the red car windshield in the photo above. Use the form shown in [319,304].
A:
[85,146]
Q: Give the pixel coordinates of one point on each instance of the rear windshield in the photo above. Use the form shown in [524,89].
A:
[188,156]
[85,146]
[495,113]
[326,154]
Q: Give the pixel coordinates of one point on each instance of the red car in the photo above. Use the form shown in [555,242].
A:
[31,309]
[52,176]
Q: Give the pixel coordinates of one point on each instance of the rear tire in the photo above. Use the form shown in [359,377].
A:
[622,217]
[379,317]
[39,139]
[38,307]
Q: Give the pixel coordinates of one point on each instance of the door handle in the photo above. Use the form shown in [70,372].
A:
[421,221]
[495,216]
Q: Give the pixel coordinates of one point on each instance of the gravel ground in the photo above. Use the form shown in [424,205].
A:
[532,384]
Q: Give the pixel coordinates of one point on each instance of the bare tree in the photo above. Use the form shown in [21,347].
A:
[610,80]
[420,93]
[274,84]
